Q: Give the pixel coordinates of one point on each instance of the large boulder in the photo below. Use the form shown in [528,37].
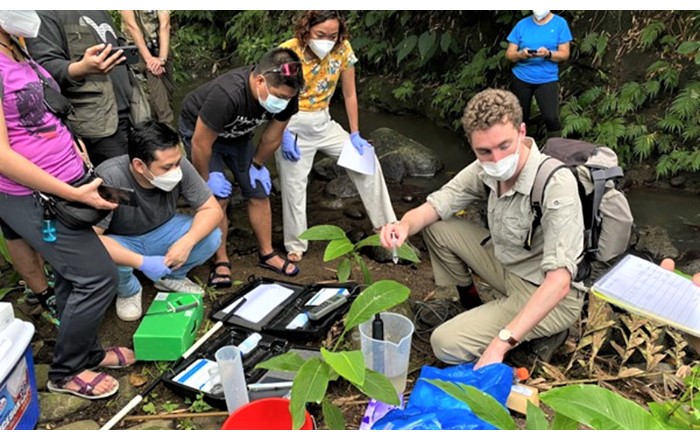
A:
[341,187]
[655,241]
[418,160]
[328,169]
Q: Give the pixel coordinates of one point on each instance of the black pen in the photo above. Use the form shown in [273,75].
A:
[296,139]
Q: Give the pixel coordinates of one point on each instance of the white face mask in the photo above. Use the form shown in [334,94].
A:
[168,181]
[321,47]
[540,14]
[20,23]
[505,168]
[273,104]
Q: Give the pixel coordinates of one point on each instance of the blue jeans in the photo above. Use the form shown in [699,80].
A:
[157,242]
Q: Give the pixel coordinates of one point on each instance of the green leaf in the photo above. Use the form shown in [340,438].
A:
[378,387]
[344,269]
[5,290]
[688,47]
[310,385]
[323,232]
[405,47]
[349,364]
[366,275]
[332,416]
[284,362]
[337,248]
[372,240]
[406,252]
[446,41]
[377,298]
[598,408]
[563,423]
[483,405]
[536,420]
[426,42]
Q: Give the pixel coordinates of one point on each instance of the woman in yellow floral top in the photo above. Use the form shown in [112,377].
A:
[327,57]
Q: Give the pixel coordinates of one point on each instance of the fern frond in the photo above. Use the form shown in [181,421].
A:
[590,96]
[650,33]
[687,102]
[644,145]
[671,124]
[651,88]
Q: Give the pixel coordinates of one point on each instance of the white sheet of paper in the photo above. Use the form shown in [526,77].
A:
[260,302]
[351,159]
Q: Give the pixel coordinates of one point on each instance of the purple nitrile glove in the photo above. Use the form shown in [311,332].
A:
[219,185]
[290,149]
[154,267]
[262,175]
[358,142]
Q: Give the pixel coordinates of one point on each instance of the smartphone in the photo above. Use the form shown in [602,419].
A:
[130,52]
[531,51]
[114,194]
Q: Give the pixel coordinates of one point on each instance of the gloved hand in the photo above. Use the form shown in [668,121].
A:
[262,175]
[290,149]
[154,267]
[219,185]
[358,142]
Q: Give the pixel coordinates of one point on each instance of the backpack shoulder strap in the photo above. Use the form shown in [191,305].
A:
[546,169]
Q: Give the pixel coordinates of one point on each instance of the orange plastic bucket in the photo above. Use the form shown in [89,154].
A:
[270,413]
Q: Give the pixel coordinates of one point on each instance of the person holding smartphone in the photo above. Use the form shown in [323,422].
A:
[537,44]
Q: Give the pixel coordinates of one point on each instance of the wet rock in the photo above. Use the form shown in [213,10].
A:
[332,204]
[678,181]
[419,161]
[41,373]
[691,267]
[126,391]
[655,241]
[393,167]
[341,187]
[328,169]
[355,235]
[354,213]
[56,406]
[154,425]
[81,425]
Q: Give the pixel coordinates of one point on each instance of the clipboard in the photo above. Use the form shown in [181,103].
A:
[647,289]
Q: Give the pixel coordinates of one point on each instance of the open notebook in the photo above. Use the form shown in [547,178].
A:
[648,290]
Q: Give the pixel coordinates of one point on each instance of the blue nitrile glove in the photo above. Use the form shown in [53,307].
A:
[262,175]
[219,185]
[358,142]
[290,149]
[154,267]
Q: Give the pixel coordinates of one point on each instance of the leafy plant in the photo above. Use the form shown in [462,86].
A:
[340,246]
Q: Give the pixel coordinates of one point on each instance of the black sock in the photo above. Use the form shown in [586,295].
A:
[469,297]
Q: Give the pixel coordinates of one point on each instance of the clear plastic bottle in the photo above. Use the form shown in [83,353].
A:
[48,227]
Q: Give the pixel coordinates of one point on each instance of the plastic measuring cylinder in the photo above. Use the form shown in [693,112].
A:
[232,377]
[390,355]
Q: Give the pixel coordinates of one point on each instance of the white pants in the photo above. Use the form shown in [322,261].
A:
[316,131]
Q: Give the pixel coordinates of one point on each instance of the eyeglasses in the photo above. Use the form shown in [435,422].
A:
[286,69]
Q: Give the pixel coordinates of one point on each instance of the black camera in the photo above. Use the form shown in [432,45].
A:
[153,47]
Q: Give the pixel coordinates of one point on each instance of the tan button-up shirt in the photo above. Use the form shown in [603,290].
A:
[558,241]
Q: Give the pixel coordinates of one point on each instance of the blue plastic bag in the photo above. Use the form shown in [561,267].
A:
[431,408]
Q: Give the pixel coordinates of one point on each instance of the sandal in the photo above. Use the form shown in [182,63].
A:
[87,389]
[121,358]
[295,256]
[283,271]
[226,283]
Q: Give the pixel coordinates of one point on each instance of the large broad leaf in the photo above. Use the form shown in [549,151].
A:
[405,47]
[482,405]
[332,416]
[310,385]
[599,408]
[337,248]
[446,41]
[372,240]
[285,362]
[366,275]
[563,423]
[378,387]
[406,252]
[349,364]
[323,232]
[536,420]
[377,298]
[426,42]
[344,269]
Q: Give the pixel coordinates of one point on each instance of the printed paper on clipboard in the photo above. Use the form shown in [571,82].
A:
[351,159]
[647,289]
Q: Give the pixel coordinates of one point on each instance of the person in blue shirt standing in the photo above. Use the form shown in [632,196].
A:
[537,44]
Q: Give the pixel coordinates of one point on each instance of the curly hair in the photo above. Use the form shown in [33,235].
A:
[312,18]
[490,107]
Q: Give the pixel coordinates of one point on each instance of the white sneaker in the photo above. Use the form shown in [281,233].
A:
[129,308]
[184,285]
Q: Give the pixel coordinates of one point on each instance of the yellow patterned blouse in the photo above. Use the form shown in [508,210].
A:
[321,76]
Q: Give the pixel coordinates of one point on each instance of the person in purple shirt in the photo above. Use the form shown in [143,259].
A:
[37,152]
[537,44]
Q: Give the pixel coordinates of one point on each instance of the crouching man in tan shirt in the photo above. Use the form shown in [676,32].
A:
[537,297]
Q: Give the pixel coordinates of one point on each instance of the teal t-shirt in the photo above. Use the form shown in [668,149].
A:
[528,34]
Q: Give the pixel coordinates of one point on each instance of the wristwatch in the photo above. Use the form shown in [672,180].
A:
[257,165]
[506,335]
[549,55]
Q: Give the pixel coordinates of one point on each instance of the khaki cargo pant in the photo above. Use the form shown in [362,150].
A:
[455,247]
[160,91]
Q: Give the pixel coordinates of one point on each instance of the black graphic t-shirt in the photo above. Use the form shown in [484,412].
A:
[227,106]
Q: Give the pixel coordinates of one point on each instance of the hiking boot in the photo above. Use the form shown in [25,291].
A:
[129,308]
[184,285]
[469,297]
[540,349]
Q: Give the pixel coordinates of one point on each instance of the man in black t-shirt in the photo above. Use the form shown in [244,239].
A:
[217,123]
